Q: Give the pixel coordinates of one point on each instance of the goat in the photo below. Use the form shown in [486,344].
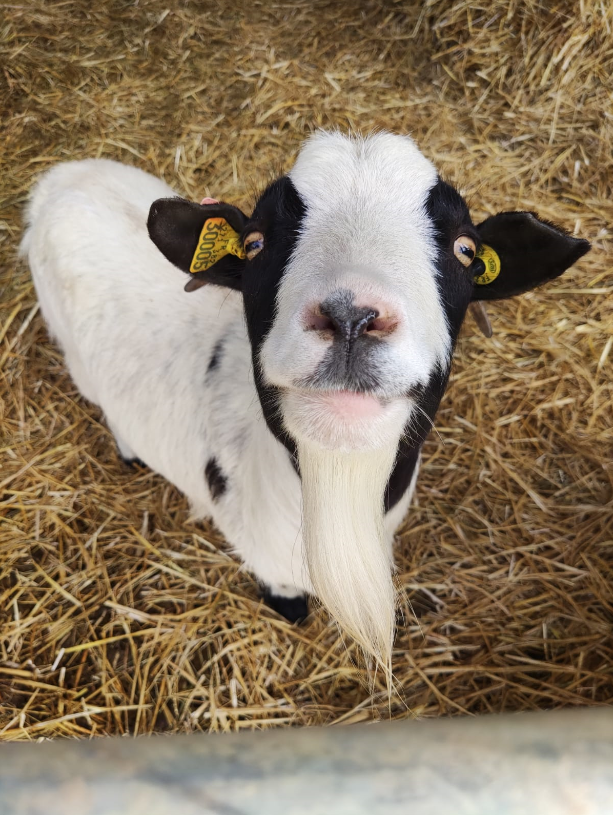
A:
[289,398]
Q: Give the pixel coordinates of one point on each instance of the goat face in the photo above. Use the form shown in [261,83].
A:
[358,325]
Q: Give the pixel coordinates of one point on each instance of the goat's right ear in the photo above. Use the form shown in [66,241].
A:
[175,226]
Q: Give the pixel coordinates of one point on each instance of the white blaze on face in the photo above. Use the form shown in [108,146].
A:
[366,231]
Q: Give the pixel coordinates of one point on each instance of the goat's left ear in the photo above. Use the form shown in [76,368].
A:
[526,252]
[212,255]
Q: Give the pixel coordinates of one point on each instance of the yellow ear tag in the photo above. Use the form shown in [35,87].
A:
[492,265]
[216,240]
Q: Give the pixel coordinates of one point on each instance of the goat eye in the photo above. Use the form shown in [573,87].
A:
[464,249]
[253,243]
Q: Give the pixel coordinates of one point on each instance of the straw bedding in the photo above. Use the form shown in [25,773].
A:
[119,615]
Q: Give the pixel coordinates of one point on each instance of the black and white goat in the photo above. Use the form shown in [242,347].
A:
[290,400]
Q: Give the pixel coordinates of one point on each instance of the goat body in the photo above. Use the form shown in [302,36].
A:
[288,399]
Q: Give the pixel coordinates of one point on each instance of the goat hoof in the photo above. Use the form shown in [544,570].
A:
[294,609]
[133,462]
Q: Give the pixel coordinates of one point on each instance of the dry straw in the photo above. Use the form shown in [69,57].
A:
[117,614]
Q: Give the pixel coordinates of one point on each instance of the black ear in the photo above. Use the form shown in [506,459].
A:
[175,225]
[531,252]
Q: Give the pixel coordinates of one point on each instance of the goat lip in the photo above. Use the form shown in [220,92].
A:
[346,404]
[343,420]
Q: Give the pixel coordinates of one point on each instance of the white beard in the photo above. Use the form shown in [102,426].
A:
[349,554]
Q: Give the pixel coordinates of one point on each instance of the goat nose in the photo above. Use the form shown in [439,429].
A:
[346,320]
[339,318]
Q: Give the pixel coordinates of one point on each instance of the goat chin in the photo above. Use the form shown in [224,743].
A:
[347,549]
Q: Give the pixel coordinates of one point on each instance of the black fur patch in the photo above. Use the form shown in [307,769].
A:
[451,219]
[215,356]
[294,609]
[278,215]
[428,399]
[218,483]
[293,457]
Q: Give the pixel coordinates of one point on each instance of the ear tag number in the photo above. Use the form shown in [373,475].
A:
[491,261]
[216,240]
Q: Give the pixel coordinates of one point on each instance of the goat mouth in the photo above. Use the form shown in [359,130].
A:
[346,405]
[343,419]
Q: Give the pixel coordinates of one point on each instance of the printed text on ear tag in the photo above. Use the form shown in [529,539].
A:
[491,261]
[216,240]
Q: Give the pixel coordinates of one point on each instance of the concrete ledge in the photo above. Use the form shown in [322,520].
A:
[558,763]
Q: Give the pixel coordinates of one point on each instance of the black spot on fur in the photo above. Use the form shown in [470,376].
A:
[294,609]
[215,356]
[215,478]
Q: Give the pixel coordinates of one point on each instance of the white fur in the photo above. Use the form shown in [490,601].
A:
[138,346]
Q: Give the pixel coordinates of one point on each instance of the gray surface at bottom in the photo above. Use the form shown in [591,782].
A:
[558,763]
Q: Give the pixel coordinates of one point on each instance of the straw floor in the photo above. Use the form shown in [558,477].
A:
[117,615]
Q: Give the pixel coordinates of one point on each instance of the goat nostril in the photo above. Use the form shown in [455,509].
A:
[381,326]
[348,322]
[358,327]
[319,322]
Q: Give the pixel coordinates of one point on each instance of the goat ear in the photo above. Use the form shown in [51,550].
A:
[519,252]
[175,226]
